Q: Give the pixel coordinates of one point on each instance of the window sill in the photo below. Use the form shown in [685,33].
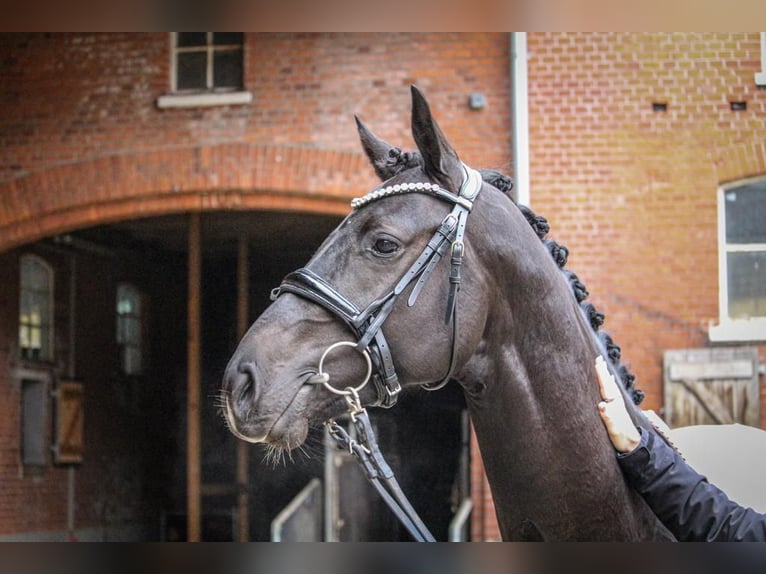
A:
[204,100]
[742,330]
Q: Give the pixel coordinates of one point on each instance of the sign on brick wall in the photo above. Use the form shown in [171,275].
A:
[711,386]
[68,445]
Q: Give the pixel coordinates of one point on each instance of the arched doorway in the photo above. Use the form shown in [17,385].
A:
[421,437]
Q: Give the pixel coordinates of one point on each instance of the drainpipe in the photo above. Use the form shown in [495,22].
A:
[520,116]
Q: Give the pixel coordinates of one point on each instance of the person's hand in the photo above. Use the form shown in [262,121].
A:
[622,431]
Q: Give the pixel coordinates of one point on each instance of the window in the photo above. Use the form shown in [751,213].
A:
[36,309]
[129,328]
[760,77]
[742,262]
[208,61]
[33,436]
[207,69]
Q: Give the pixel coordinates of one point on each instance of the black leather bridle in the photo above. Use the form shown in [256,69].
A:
[366,323]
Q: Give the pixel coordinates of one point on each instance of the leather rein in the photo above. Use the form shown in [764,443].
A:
[366,324]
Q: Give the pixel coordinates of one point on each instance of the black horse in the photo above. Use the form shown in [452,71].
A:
[437,275]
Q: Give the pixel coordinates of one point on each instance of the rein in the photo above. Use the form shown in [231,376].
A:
[375,467]
[366,324]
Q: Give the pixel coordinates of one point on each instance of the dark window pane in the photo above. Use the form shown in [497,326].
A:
[746,284]
[227,69]
[192,71]
[746,213]
[33,422]
[228,38]
[192,39]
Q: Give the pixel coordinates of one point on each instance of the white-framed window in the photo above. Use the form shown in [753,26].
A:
[207,69]
[760,77]
[35,309]
[130,324]
[742,262]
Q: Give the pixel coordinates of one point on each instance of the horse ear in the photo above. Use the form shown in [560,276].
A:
[439,159]
[378,151]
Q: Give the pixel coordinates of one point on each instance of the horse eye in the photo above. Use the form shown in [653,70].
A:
[384,246]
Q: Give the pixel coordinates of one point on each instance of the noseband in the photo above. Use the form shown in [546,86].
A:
[366,323]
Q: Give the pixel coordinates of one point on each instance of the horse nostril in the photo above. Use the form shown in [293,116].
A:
[246,390]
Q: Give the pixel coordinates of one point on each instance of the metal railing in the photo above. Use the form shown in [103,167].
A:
[458,526]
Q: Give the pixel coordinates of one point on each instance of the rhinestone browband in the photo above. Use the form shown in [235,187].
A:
[408,187]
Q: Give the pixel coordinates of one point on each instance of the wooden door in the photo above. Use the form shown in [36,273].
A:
[711,386]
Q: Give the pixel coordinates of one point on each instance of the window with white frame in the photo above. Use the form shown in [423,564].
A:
[742,261]
[35,309]
[130,308]
[208,61]
[207,69]
[760,77]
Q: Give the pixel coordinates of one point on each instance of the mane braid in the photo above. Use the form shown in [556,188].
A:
[560,254]
[399,161]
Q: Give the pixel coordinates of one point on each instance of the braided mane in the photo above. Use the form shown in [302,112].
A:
[398,161]
[595,318]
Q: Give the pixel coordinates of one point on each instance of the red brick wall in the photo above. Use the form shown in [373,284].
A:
[83,140]
[632,192]
[123,420]
[27,495]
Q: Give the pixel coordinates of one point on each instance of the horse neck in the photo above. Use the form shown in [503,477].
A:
[542,349]
[532,394]
[541,344]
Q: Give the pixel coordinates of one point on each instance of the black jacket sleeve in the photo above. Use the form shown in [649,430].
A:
[689,506]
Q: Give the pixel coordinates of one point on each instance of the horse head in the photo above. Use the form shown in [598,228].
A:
[374,302]
[437,275]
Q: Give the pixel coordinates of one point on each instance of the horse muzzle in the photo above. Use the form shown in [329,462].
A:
[242,390]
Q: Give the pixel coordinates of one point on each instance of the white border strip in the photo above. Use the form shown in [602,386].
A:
[760,77]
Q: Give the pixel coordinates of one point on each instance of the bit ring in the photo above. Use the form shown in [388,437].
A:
[324,378]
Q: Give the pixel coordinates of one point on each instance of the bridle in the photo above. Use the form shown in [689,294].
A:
[367,323]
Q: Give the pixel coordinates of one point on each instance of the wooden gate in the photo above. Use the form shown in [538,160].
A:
[711,386]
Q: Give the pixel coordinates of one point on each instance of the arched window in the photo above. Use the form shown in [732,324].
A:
[129,328]
[36,309]
[742,262]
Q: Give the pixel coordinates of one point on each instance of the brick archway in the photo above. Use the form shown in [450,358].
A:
[741,161]
[157,182]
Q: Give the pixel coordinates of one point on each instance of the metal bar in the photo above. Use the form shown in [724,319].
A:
[745,247]
[458,523]
[330,490]
[193,472]
[287,512]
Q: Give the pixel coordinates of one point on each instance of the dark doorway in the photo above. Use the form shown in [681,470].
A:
[420,437]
